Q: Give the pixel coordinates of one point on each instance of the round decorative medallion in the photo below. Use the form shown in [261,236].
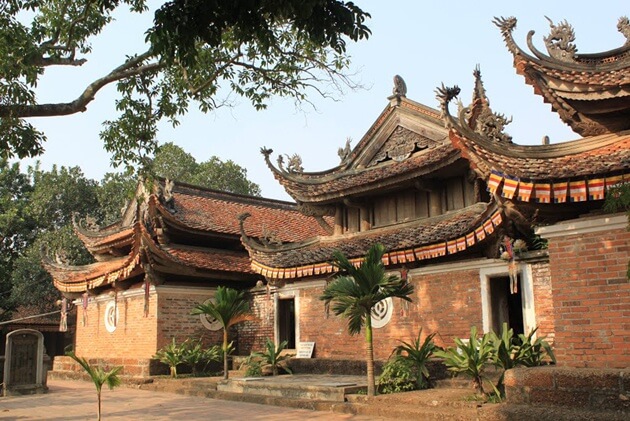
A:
[382,313]
[209,322]
[111,316]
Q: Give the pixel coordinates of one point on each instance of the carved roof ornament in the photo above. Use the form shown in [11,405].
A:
[624,27]
[165,194]
[400,145]
[560,40]
[477,119]
[344,152]
[294,164]
[400,87]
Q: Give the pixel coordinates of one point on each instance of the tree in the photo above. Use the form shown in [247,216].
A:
[201,52]
[99,377]
[229,307]
[16,227]
[174,163]
[354,293]
[42,205]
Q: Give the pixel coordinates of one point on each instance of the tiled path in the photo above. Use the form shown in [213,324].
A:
[76,400]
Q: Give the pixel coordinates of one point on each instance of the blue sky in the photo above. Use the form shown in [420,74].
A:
[427,43]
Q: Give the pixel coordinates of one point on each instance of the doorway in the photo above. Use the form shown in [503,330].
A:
[504,306]
[286,321]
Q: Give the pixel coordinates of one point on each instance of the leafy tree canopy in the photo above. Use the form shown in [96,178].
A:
[174,163]
[200,52]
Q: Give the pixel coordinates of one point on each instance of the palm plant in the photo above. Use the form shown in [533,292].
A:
[229,308]
[418,353]
[172,354]
[99,376]
[510,351]
[471,358]
[357,290]
[271,356]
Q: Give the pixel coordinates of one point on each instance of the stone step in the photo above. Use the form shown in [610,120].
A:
[265,386]
[413,412]
[429,398]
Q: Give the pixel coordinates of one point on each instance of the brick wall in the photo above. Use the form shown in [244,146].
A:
[251,334]
[591,292]
[543,300]
[606,389]
[134,337]
[447,303]
[175,320]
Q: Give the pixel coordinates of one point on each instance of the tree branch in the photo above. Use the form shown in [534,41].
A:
[128,69]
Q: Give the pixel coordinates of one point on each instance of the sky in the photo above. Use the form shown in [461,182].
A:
[427,43]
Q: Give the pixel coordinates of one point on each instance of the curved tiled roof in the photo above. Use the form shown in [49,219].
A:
[572,83]
[210,259]
[589,157]
[416,240]
[406,141]
[366,179]
[213,211]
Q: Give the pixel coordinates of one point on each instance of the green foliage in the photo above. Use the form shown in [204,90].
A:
[98,376]
[229,307]
[399,375]
[504,351]
[272,357]
[471,358]
[357,290]
[418,353]
[174,163]
[172,354]
[202,53]
[182,26]
[253,367]
[199,357]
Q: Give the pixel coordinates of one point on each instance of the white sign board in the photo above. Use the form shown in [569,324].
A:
[305,349]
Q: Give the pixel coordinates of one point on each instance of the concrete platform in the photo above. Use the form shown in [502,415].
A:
[299,386]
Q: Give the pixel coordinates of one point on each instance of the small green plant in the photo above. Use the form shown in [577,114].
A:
[253,367]
[196,355]
[272,357]
[99,376]
[418,353]
[173,355]
[513,351]
[471,358]
[399,375]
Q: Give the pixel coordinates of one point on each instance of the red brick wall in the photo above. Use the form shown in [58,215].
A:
[591,298]
[543,301]
[251,335]
[176,321]
[134,337]
[447,303]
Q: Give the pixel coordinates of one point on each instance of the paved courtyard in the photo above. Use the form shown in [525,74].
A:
[75,400]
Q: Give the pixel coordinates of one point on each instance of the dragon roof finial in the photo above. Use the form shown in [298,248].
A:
[560,40]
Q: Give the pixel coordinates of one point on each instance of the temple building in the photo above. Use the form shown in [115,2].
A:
[487,231]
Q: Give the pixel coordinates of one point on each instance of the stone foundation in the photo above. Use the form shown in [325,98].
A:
[606,389]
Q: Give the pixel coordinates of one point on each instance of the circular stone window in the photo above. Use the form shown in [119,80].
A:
[382,313]
[111,316]
[209,322]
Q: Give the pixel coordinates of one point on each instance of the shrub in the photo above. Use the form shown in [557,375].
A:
[271,356]
[172,355]
[196,356]
[471,358]
[399,375]
[418,354]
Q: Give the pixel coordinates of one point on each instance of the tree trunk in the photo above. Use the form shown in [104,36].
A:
[370,356]
[225,353]
[98,400]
